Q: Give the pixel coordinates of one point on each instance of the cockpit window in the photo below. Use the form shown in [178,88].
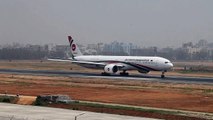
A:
[166,62]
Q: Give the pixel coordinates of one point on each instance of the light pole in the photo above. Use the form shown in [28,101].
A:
[78,115]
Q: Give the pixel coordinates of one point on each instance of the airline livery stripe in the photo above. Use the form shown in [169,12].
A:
[147,67]
[138,66]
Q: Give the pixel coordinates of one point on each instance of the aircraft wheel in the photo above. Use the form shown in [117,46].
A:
[124,74]
[105,74]
[162,76]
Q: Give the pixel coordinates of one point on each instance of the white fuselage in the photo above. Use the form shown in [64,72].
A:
[152,63]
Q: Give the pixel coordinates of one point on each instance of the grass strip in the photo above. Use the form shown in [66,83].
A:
[120,107]
[8,99]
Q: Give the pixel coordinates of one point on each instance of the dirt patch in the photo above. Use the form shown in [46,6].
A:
[140,93]
[26,100]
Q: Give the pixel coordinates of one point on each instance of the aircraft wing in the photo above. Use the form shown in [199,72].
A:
[89,63]
[102,64]
[99,64]
[78,62]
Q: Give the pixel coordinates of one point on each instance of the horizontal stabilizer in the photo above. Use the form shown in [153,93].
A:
[59,60]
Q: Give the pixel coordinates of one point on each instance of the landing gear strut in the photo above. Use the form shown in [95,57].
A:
[162,75]
[124,73]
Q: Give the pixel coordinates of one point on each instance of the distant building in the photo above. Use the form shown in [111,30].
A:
[82,48]
[200,51]
[92,46]
[90,52]
[117,48]
[186,45]
[202,43]
[210,45]
[127,47]
[100,48]
[60,48]
[59,51]
[193,50]
[91,49]
[41,48]
[151,51]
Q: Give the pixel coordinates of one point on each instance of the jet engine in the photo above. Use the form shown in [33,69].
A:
[143,71]
[111,68]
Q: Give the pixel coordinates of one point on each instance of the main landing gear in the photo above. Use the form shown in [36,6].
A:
[124,73]
[105,74]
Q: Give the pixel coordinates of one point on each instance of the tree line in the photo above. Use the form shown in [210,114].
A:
[27,54]
[170,53]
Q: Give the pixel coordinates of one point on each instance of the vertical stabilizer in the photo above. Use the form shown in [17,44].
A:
[75,51]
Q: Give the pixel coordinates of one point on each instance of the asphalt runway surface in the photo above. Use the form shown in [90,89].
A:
[147,77]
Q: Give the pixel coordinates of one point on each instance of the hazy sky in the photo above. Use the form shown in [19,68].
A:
[144,22]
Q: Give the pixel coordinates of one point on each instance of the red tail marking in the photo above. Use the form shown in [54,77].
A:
[73,47]
[69,38]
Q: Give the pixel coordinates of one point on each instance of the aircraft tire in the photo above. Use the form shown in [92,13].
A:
[124,74]
[162,76]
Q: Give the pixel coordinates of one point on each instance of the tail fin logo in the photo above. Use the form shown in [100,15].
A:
[70,40]
[73,47]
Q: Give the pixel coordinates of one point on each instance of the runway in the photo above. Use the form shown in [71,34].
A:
[177,79]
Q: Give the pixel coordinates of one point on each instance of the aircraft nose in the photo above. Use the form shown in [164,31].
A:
[171,65]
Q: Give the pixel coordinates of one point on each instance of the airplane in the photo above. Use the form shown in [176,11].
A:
[113,64]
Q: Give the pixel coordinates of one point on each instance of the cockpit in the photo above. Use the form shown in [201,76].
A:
[168,64]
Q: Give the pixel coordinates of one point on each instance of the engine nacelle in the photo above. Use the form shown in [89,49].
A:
[111,68]
[143,71]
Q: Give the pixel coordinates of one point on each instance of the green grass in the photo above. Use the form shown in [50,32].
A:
[194,71]
[208,91]
[8,99]
[118,107]
[75,106]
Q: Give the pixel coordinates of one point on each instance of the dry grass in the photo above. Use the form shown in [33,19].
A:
[193,97]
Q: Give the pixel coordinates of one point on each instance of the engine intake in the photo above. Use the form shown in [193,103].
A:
[111,68]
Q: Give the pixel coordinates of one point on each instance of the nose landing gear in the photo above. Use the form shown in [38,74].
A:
[162,75]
